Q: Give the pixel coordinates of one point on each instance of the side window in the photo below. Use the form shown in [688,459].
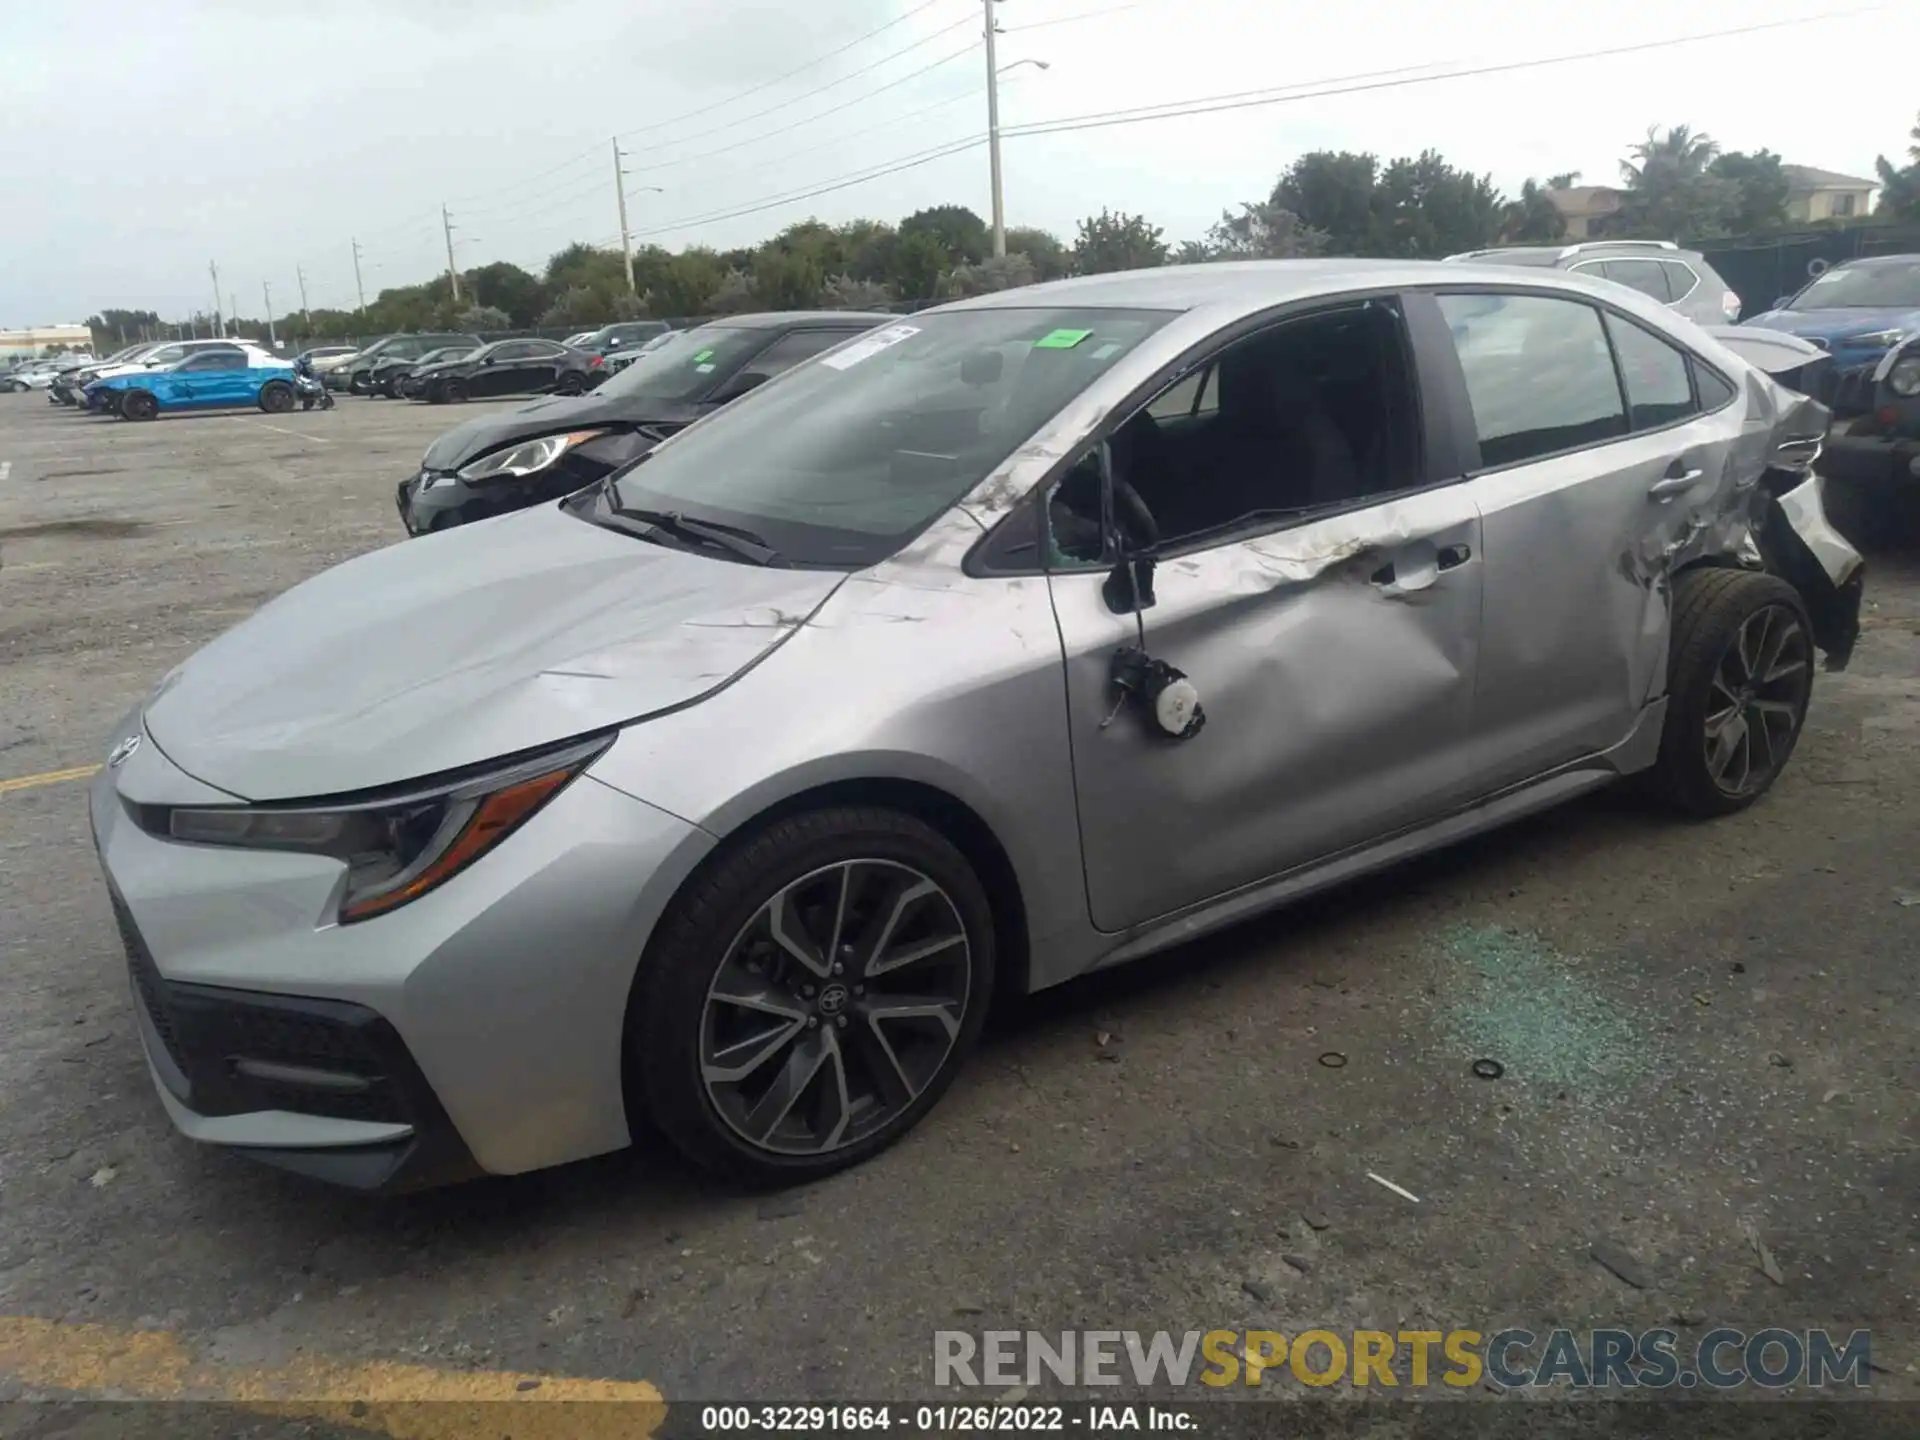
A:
[1659,391]
[514,350]
[544,349]
[1681,279]
[1311,414]
[1649,277]
[1714,390]
[1539,374]
[1192,397]
[223,360]
[790,349]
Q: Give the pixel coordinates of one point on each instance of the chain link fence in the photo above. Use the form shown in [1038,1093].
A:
[1762,269]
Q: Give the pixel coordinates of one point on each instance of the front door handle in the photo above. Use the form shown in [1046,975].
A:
[1453,556]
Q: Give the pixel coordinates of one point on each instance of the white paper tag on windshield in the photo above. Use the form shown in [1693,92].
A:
[870,347]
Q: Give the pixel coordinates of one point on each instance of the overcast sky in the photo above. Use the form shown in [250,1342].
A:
[267,137]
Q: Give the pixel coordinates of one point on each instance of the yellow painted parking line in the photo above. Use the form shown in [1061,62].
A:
[406,1402]
[48,777]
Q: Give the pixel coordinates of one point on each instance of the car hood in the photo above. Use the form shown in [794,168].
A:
[459,648]
[547,417]
[1837,325]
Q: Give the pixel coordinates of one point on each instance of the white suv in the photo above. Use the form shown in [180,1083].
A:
[1679,279]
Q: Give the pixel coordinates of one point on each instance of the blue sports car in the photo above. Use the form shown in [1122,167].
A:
[213,379]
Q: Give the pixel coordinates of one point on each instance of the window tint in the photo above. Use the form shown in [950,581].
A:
[223,360]
[1539,374]
[1649,277]
[789,350]
[512,350]
[1714,390]
[1658,389]
[543,349]
[1681,278]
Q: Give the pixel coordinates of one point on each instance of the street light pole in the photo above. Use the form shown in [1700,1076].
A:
[993,138]
[453,275]
[219,327]
[626,235]
[266,291]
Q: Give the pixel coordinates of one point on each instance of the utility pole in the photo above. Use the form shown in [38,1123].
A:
[993,138]
[301,275]
[358,288]
[267,291]
[233,312]
[626,235]
[453,275]
[219,325]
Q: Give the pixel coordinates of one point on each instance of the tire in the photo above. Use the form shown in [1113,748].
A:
[276,397]
[720,924]
[358,382]
[138,405]
[1723,622]
[454,392]
[390,387]
[571,383]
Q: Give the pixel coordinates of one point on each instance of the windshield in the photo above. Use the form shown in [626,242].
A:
[842,460]
[691,363]
[1864,287]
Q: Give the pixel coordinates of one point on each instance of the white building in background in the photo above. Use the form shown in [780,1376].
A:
[38,339]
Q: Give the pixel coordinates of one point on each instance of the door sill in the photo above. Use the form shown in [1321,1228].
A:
[1557,786]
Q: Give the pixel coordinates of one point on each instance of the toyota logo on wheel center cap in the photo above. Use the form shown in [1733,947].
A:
[833,999]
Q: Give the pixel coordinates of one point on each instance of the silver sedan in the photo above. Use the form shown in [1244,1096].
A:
[1028,635]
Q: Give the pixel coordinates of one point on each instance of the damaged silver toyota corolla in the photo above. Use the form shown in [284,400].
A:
[1024,636]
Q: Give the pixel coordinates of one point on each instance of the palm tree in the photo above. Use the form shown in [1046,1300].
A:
[1565,180]
[1680,154]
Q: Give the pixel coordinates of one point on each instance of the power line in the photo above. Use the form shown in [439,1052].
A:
[860,99]
[780,79]
[820,89]
[1246,99]
[566,164]
[1074,19]
[909,162]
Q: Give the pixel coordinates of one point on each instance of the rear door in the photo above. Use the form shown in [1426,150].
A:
[1594,454]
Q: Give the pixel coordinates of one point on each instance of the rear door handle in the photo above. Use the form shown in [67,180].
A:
[1680,476]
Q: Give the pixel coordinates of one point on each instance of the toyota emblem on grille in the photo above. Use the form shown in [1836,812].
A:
[117,756]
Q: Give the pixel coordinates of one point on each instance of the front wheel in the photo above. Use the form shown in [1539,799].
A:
[276,397]
[1739,677]
[809,998]
[454,392]
[138,405]
[571,383]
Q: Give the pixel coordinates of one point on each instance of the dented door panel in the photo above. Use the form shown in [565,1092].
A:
[1576,602]
[1335,662]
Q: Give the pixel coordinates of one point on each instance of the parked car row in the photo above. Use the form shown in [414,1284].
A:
[40,374]
[841,672]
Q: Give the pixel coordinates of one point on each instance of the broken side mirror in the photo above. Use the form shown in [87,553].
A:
[1131,538]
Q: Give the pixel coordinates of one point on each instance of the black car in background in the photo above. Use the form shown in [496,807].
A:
[516,458]
[622,336]
[391,373]
[356,374]
[508,367]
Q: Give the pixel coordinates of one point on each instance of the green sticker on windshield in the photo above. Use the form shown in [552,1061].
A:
[1061,339]
[703,357]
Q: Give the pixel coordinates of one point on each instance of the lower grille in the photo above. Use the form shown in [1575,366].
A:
[147,983]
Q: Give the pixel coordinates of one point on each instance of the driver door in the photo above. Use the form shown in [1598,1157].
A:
[1334,653]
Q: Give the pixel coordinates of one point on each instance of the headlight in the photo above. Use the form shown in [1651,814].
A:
[525,458]
[1904,378]
[1880,339]
[395,850]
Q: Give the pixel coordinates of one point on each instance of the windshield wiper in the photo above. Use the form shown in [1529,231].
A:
[743,543]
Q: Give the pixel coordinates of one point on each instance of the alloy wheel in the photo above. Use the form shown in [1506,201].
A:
[835,1007]
[1757,700]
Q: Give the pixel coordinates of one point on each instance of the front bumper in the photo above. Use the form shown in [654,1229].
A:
[478,1029]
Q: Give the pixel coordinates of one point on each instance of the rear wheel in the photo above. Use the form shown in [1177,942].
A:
[808,999]
[276,397]
[1739,676]
[138,405]
[571,383]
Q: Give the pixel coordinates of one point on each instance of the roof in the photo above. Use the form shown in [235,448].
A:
[1241,284]
[1812,177]
[774,319]
[1586,200]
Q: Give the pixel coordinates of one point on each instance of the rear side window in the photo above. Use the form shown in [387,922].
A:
[1714,390]
[1681,278]
[1649,277]
[1659,391]
[1539,374]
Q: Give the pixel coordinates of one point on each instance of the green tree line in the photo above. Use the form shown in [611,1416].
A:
[1676,184]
